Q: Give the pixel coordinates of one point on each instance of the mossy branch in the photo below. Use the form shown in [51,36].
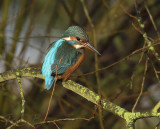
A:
[23,72]
[129,117]
[145,36]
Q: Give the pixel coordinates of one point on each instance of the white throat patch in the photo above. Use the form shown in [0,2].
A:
[67,38]
[77,46]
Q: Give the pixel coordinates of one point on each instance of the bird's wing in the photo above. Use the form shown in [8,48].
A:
[50,58]
[65,57]
[48,61]
[60,50]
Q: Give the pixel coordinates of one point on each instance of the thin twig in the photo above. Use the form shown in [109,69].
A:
[142,85]
[137,29]
[56,124]
[155,71]
[65,119]
[6,120]
[55,80]
[20,121]
[151,18]
[126,12]
[14,124]
[140,59]
[50,100]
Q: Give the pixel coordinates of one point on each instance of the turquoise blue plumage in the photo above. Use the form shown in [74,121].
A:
[70,50]
[47,63]
[52,58]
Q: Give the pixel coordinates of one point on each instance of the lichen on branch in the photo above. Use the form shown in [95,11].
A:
[129,117]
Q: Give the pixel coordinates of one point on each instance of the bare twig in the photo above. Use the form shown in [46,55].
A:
[55,80]
[6,120]
[151,18]
[56,125]
[20,121]
[50,100]
[142,85]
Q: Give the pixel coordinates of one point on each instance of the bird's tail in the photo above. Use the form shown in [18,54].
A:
[48,82]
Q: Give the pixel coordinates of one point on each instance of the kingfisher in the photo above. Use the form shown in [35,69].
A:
[65,55]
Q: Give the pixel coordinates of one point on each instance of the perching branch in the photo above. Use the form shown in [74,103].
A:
[129,117]
[24,72]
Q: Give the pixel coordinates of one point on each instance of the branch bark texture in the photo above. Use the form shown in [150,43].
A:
[129,117]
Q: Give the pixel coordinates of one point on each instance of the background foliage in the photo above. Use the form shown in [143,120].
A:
[27,27]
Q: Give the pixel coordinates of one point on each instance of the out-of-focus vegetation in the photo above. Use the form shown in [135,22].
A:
[27,27]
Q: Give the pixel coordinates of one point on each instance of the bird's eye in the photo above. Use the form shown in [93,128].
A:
[78,38]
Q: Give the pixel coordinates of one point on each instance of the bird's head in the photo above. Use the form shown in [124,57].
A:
[78,38]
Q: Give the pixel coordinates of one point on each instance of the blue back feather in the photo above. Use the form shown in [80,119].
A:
[48,61]
[61,49]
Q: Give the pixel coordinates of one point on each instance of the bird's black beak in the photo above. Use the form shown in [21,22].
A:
[89,46]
